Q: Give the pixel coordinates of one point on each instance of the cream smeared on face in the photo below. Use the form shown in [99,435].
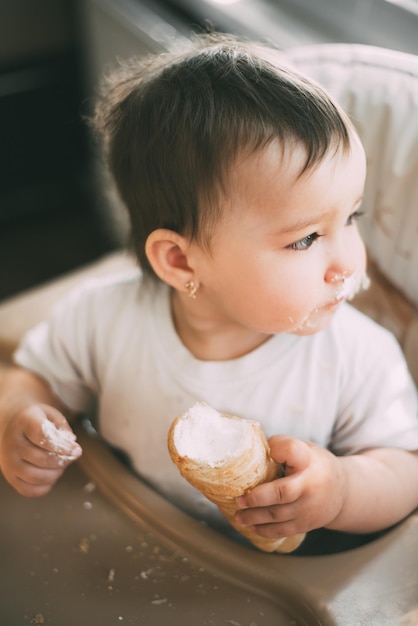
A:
[352,285]
[348,287]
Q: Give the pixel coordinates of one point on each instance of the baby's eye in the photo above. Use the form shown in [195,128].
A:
[305,243]
[354,216]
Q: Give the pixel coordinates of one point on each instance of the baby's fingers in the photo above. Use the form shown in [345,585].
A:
[48,430]
[280,491]
[294,454]
[32,482]
[44,459]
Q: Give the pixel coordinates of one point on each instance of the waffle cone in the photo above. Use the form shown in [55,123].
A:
[234,476]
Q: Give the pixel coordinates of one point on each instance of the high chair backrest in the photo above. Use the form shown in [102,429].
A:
[379,90]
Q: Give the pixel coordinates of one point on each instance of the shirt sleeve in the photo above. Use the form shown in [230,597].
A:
[59,350]
[379,405]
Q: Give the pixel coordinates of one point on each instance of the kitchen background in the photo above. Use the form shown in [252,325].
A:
[56,213]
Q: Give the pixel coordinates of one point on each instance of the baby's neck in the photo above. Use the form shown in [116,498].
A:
[208,339]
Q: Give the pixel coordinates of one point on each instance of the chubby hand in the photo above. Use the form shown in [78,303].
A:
[309,496]
[36,446]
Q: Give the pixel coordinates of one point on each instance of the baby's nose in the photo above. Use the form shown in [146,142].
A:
[335,277]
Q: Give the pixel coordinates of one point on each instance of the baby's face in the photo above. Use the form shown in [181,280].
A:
[287,250]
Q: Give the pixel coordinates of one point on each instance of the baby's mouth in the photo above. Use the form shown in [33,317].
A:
[349,287]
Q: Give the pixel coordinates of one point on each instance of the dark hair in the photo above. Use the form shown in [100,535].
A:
[173,124]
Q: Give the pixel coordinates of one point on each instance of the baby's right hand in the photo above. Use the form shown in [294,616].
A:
[36,446]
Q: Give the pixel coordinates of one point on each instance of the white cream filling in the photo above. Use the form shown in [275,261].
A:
[204,435]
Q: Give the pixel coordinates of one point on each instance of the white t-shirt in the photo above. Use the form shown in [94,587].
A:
[111,347]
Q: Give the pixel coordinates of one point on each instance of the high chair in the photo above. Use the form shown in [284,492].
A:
[373,584]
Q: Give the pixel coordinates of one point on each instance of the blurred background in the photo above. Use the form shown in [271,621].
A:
[55,211]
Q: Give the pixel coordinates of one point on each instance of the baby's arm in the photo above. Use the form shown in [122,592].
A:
[360,493]
[36,441]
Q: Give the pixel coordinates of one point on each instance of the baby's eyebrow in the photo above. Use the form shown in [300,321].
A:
[312,220]
[304,223]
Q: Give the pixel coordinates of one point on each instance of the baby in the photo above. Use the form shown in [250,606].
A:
[243,181]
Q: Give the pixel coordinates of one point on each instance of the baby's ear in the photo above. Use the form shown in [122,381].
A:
[167,253]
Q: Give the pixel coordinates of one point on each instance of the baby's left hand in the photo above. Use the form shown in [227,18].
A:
[310,495]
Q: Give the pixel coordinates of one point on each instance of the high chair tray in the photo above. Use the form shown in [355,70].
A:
[103,548]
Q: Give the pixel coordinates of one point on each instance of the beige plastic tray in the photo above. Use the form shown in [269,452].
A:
[104,549]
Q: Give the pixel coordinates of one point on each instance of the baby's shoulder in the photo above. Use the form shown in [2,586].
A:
[355,333]
[108,292]
[106,287]
[108,300]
